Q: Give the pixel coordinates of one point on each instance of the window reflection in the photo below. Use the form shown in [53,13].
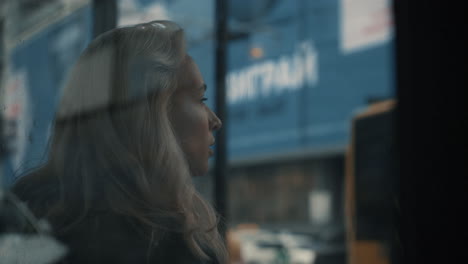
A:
[310,99]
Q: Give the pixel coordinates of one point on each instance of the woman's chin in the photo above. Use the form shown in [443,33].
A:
[200,170]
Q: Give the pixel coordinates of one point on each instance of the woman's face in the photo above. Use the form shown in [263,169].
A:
[192,120]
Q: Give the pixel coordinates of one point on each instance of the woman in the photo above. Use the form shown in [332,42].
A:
[130,131]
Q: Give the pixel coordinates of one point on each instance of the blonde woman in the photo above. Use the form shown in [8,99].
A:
[131,130]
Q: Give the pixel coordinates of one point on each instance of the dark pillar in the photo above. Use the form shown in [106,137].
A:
[431,78]
[105,16]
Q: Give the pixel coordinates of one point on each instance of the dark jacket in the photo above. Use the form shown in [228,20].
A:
[110,238]
[105,237]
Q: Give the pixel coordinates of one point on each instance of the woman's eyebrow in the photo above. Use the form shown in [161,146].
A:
[200,89]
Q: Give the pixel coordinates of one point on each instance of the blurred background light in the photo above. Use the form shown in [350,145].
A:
[256,52]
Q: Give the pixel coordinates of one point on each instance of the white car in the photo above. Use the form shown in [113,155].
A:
[265,247]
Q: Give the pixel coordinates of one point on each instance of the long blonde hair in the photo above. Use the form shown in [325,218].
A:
[113,143]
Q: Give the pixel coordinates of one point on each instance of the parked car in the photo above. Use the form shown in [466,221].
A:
[260,246]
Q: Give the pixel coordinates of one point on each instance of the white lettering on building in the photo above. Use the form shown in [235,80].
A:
[286,73]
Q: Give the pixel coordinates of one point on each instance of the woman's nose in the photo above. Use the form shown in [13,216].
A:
[216,123]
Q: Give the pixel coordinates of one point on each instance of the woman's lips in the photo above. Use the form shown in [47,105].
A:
[211,152]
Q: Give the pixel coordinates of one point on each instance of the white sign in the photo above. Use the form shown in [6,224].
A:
[364,23]
[131,12]
[196,17]
[288,72]
[320,207]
